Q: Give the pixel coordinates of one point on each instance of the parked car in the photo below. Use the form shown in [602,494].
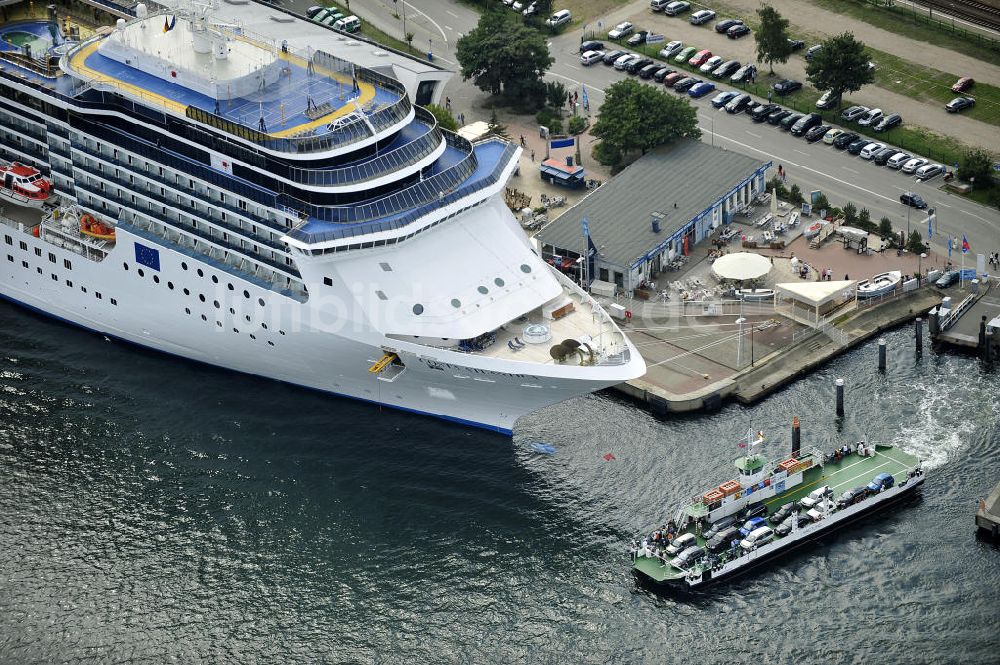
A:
[854,112]
[898,160]
[832,135]
[912,200]
[816,133]
[685,84]
[701,89]
[882,481]
[787,86]
[948,278]
[888,122]
[963,84]
[723,540]
[844,140]
[636,66]
[590,57]
[790,120]
[796,44]
[760,112]
[816,496]
[743,73]
[723,98]
[723,26]
[591,45]
[671,79]
[777,116]
[738,103]
[813,50]
[530,10]
[751,524]
[671,49]
[928,171]
[757,538]
[720,525]
[681,542]
[711,64]
[684,54]
[702,16]
[561,17]
[805,123]
[828,100]
[621,30]
[781,513]
[648,71]
[852,496]
[755,510]
[869,150]
[883,155]
[870,118]
[611,57]
[658,5]
[737,31]
[726,69]
[312,11]
[623,62]
[676,8]
[914,164]
[958,104]
[689,556]
[637,39]
[700,58]
[662,73]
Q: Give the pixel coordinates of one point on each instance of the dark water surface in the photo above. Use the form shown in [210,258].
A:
[153,510]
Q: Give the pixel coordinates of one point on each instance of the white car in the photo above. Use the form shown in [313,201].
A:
[870,118]
[869,150]
[621,30]
[897,160]
[816,496]
[517,6]
[624,61]
[929,171]
[703,16]
[711,63]
[681,542]
[913,164]
[671,49]
[590,57]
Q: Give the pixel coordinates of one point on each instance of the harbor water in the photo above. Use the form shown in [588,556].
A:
[154,510]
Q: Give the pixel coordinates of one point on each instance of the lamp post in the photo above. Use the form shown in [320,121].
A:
[920,266]
[739,346]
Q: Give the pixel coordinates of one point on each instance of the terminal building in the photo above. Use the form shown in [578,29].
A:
[659,207]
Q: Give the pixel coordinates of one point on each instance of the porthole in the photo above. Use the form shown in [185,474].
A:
[156,279]
[215,279]
[125,265]
[201,297]
[141,273]
[187,292]
[418,309]
[498,281]
[483,290]
[187,310]
[170,285]
[184,265]
[216,303]
[202,274]
[246,294]
[456,303]
[260,301]
[525,268]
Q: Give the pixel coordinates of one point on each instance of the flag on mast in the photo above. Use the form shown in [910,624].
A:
[965,244]
[746,440]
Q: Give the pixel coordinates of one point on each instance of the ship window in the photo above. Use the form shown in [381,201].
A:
[215,279]
[156,279]
[260,301]
[186,291]
[247,317]
[83,289]
[246,294]
[418,309]
[184,266]
[216,303]
[252,336]
[270,343]
[69,283]
[24,246]
[141,273]
[381,295]
[218,323]
[386,267]
[39,270]
[114,302]
[10,258]
[38,252]
[498,281]
[170,285]
[525,268]
[456,303]
[55,277]
[98,295]
[327,281]
[187,310]
[232,311]
[231,287]
[24,264]
[281,332]
[200,273]
[236,331]
[125,266]
[201,297]
[483,290]
[264,326]
[8,240]
[204,318]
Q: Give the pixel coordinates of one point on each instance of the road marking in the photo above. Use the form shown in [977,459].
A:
[756,136]
[433,22]
[847,168]
[451,13]
[944,205]
[572,80]
[800,152]
[573,67]
[448,27]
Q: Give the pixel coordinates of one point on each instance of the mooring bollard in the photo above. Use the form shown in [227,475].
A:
[881,354]
[840,397]
[920,335]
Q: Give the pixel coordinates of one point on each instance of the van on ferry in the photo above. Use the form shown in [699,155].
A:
[348,24]
[757,538]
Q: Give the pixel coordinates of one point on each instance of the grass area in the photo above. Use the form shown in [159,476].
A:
[918,26]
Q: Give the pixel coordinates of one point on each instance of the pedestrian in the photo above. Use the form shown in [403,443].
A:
[461,118]
[447,103]
[523,143]
[532,155]
[769,96]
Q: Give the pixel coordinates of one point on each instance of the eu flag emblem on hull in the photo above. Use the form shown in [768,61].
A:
[147,256]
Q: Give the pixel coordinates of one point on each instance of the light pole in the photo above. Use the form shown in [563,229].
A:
[920,266]
[739,346]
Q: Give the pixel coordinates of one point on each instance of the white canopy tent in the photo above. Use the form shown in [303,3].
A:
[741,266]
[816,294]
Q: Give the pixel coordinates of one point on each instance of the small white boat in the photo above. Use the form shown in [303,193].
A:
[23,185]
[754,295]
[880,284]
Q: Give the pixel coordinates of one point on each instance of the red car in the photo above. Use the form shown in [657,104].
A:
[700,58]
[962,84]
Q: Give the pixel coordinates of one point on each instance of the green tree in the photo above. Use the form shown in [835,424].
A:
[850,214]
[885,228]
[915,243]
[640,117]
[865,220]
[840,66]
[551,119]
[497,128]
[977,164]
[821,203]
[772,37]
[577,125]
[555,95]
[444,117]
[503,56]
[409,40]
[795,194]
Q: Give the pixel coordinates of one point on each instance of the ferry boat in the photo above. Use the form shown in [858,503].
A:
[772,507]
[23,185]
[880,285]
[252,190]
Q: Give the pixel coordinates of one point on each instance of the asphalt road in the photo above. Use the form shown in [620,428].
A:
[840,176]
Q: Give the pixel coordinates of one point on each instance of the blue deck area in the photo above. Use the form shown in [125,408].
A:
[413,131]
[288,96]
[38,28]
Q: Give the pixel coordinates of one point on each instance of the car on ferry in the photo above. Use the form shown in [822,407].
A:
[681,542]
[816,496]
[852,496]
[757,537]
[781,513]
[719,526]
[751,524]
[688,557]
[882,481]
[723,540]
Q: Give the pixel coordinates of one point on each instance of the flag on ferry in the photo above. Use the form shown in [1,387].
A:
[169,25]
[965,244]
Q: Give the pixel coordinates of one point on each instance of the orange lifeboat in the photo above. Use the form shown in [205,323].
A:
[95,229]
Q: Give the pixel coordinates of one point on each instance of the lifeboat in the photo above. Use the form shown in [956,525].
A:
[24,186]
[89,226]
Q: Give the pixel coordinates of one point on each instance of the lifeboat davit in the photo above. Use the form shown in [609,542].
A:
[24,186]
[89,226]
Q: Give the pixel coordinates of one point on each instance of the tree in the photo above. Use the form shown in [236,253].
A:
[915,243]
[840,66]
[409,40]
[496,128]
[772,37]
[977,164]
[865,220]
[503,56]
[795,194]
[444,117]
[577,125]
[555,95]
[885,228]
[640,117]
[850,213]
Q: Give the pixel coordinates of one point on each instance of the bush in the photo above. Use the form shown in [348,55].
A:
[777,187]
[549,118]
[577,125]
[885,228]
[865,221]
[915,244]
[795,195]
[444,117]
[821,203]
[977,164]
[850,214]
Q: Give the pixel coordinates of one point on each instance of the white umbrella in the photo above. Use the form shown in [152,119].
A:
[741,266]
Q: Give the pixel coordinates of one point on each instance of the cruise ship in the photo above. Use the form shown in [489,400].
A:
[242,187]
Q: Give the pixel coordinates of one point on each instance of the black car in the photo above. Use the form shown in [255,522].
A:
[785,527]
[739,104]
[610,57]
[637,39]
[790,120]
[684,85]
[737,31]
[778,116]
[726,69]
[888,122]
[638,65]
[754,510]
[805,123]
[781,513]
[857,145]
[787,86]
[662,74]
[882,156]
[722,26]
[723,540]
[852,496]
[796,44]
[844,140]
[816,133]
[912,200]
[648,71]
[959,103]
[719,526]
[761,111]
[591,45]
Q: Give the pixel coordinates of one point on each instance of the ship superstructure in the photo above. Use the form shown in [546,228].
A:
[274,207]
